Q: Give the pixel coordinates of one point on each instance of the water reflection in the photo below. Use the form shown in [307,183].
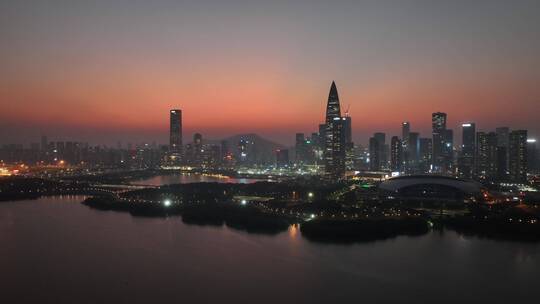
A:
[55,250]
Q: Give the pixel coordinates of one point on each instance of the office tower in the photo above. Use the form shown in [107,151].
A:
[282,158]
[175,136]
[301,149]
[517,169]
[405,130]
[413,152]
[396,154]
[532,156]
[486,156]
[503,139]
[468,148]
[469,138]
[425,147]
[383,154]
[448,151]
[347,140]
[438,122]
[374,154]
[334,152]
[347,128]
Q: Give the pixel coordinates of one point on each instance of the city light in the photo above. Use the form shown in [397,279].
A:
[167,203]
[243,202]
[310,194]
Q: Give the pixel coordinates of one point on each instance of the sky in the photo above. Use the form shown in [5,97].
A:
[109,71]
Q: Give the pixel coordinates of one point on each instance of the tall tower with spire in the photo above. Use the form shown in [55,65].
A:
[334,150]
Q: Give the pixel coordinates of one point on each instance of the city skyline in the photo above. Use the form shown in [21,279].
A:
[122,72]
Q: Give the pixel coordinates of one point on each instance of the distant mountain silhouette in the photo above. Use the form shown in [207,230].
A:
[261,151]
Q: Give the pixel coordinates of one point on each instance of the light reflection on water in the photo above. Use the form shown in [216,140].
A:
[57,250]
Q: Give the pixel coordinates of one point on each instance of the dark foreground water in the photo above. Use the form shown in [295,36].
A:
[55,250]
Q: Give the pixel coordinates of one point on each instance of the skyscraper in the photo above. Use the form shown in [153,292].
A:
[532,156]
[374,154]
[334,152]
[443,148]
[383,154]
[413,152]
[469,134]
[466,157]
[175,136]
[347,129]
[426,154]
[517,168]
[405,131]
[486,156]
[301,149]
[396,154]
[503,140]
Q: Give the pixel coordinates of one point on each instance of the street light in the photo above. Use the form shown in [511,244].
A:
[167,203]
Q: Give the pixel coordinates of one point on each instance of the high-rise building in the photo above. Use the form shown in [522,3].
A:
[468,148]
[405,130]
[396,154]
[532,156]
[413,153]
[374,154]
[300,148]
[503,140]
[517,168]
[486,156]
[438,122]
[469,138]
[334,152]
[175,136]
[347,140]
[426,155]
[383,154]
[347,129]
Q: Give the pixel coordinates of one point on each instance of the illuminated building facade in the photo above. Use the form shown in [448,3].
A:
[334,150]
[175,134]
[517,153]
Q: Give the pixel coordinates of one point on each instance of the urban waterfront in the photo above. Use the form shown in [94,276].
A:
[57,250]
[169,179]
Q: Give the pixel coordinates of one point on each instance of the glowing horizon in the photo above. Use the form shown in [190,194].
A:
[74,71]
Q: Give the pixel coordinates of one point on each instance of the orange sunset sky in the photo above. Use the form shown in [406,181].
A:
[108,72]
